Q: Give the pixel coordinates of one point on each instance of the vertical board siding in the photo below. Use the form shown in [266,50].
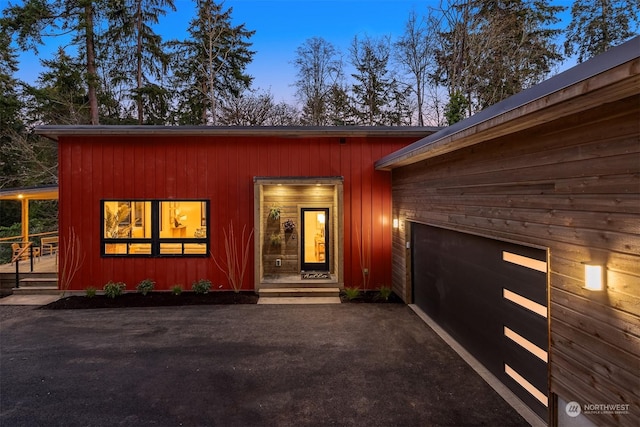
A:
[220,169]
[570,185]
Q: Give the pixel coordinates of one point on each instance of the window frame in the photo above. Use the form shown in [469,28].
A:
[155,240]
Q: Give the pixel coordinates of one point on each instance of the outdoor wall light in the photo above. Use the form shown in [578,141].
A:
[396,223]
[594,276]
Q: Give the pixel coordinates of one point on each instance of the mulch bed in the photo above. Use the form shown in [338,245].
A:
[152,299]
[371,297]
[166,299]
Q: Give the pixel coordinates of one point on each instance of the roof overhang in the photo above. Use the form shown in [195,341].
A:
[46,192]
[609,77]
[55,132]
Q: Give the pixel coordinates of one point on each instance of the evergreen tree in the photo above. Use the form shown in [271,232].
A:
[59,96]
[319,67]
[339,111]
[516,41]
[210,64]
[134,54]
[597,25]
[34,20]
[374,85]
[11,125]
[456,108]
[490,50]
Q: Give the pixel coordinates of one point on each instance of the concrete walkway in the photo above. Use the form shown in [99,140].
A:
[32,300]
[242,365]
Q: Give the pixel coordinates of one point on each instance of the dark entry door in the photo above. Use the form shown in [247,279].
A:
[314,239]
[491,296]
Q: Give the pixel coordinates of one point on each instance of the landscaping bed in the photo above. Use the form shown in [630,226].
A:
[152,299]
[370,297]
[166,299]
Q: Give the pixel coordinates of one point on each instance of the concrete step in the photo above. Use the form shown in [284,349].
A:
[299,300]
[38,282]
[37,290]
[299,292]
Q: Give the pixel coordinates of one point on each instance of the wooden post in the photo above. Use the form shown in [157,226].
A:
[25,218]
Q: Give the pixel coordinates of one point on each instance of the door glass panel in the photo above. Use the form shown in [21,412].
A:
[315,239]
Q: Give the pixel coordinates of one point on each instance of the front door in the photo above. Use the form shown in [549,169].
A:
[314,239]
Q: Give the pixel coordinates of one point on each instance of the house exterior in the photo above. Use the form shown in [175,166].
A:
[492,227]
[503,217]
[158,202]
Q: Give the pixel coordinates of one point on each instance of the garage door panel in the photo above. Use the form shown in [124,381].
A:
[491,297]
[528,325]
[528,364]
[518,278]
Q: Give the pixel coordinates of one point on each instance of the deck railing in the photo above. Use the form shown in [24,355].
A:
[24,247]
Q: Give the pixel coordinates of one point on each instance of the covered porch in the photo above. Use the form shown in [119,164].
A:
[33,263]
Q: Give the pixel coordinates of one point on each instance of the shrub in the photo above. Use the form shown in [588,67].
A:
[114,289]
[384,293]
[176,290]
[145,286]
[90,292]
[351,293]
[201,286]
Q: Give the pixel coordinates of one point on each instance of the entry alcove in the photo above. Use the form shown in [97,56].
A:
[280,251]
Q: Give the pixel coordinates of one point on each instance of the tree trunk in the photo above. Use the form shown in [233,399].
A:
[92,75]
[139,104]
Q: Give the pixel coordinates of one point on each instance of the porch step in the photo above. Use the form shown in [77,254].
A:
[37,285]
[38,282]
[37,290]
[299,292]
[301,295]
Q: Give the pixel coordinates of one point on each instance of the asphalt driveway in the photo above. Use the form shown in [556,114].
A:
[240,365]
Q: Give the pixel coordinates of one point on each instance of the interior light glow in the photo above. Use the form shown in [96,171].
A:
[321,218]
[20,196]
[593,277]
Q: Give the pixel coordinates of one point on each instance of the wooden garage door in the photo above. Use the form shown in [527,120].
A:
[491,296]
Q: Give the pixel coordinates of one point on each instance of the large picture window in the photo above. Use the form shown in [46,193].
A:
[155,227]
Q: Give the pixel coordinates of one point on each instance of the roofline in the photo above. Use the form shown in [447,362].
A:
[55,131]
[491,116]
[49,191]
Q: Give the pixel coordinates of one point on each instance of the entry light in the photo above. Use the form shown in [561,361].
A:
[20,196]
[396,223]
[594,276]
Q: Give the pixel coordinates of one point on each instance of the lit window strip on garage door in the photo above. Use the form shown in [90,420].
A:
[533,306]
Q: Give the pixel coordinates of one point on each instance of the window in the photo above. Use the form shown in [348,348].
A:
[155,228]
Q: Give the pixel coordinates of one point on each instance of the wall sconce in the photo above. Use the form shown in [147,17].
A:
[594,276]
[396,223]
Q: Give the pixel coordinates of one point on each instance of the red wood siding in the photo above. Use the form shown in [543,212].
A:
[220,169]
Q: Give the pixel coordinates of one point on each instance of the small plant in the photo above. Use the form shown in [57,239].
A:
[274,212]
[90,292]
[275,239]
[289,226]
[176,290]
[201,286]
[351,293]
[114,289]
[145,286]
[384,293]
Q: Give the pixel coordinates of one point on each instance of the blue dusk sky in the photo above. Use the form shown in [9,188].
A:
[281,26]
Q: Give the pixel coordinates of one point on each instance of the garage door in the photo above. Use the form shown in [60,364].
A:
[491,296]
